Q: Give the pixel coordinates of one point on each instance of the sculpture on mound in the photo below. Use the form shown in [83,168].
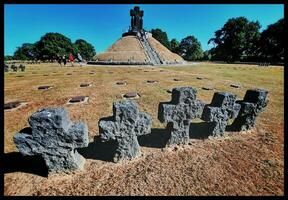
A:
[53,136]
[124,126]
[136,19]
[178,113]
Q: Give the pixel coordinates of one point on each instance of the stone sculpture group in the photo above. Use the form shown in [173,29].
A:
[54,137]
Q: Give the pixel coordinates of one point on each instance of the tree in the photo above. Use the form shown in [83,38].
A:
[85,49]
[8,57]
[207,55]
[174,46]
[26,52]
[272,42]
[190,48]
[161,36]
[237,39]
[52,45]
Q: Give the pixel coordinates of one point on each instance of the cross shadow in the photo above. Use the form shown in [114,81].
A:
[99,150]
[16,162]
[158,138]
[201,130]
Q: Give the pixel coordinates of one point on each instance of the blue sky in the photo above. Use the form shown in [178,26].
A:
[102,25]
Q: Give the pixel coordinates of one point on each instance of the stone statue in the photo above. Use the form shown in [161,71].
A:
[136,19]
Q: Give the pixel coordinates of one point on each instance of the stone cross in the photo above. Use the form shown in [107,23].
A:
[253,103]
[178,113]
[136,19]
[221,109]
[53,136]
[124,126]
[6,68]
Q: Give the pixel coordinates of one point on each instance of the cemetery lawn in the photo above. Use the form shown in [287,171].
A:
[240,163]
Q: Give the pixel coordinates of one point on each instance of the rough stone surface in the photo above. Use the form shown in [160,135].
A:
[124,126]
[178,113]
[221,109]
[53,136]
[252,105]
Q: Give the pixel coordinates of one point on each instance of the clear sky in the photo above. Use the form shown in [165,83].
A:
[102,25]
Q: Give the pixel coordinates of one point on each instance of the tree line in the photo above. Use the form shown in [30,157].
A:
[51,46]
[238,40]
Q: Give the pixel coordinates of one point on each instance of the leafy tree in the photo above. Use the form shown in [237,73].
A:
[6,58]
[190,48]
[207,55]
[52,45]
[174,46]
[272,42]
[85,49]
[26,52]
[161,36]
[237,39]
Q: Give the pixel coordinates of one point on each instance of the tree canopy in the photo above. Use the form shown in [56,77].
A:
[86,50]
[52,45]
[271,42]
[236,39]
[190,48]
[161,36]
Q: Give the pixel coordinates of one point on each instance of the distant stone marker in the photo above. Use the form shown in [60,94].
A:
[254,102]
[69,74]
[199,78]
[85,84]
[6,68]
[178,113]
[131,95]
[207,88]
[53,136]
[14,68]
[77,99]
[152,81]
[177,79]
[124,126]
[44,87]
[235,85]
[22,67]
[121,83]
[221,109]
[11,105]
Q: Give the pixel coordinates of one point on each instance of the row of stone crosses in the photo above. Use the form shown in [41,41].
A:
[14,68]
[53,136]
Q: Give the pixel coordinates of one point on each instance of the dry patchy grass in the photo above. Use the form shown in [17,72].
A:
[246,163]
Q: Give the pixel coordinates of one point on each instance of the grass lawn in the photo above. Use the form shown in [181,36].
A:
[245,163]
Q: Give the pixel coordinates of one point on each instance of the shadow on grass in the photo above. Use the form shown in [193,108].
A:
[200,130]
[16,162]
[98,150]
[158,138]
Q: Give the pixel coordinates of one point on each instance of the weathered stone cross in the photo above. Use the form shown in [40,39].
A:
[124,126]
[178,113]
[221,109]
[253,103]
[53,136]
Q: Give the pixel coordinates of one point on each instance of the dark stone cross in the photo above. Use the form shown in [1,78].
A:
[221,109]
[124,126]
[253,103]
[53,136]
[178,113]
[136,19]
